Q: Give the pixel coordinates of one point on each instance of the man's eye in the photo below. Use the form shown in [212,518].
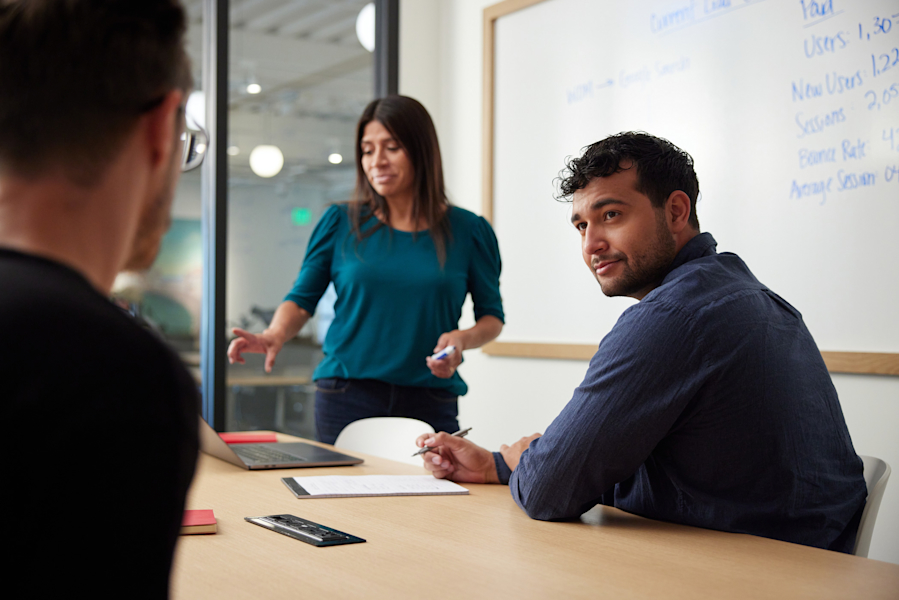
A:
[581,227]
[610,215]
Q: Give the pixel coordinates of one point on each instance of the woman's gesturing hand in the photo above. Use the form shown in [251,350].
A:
[260,343]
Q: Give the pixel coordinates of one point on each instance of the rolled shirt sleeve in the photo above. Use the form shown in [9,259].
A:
[503,472]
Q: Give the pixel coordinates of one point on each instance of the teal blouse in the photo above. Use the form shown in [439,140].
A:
[393,299]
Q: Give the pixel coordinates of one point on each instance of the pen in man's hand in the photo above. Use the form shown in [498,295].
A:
[460,433]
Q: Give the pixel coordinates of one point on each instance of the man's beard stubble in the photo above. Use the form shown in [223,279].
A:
[646,269]
[154,222]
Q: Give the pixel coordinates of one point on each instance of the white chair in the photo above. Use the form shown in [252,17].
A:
[387,437]
[877,472]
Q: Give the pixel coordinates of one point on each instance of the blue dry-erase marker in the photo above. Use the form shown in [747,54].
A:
[448,351]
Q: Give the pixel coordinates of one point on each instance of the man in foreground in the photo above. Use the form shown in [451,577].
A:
[708,403]
[100,418]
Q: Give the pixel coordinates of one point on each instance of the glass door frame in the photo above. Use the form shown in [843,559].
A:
[214,186]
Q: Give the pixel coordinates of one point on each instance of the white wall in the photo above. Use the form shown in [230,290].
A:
[441,65]
[419,54]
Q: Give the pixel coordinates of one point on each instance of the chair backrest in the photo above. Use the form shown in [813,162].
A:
[387,437]
[877,472]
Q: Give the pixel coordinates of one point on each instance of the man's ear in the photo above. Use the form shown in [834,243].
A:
[162,127]
[677,211]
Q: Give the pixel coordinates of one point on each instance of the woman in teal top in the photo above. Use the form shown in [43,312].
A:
[402,261]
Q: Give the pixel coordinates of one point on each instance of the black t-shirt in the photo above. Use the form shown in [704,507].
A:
[99,440]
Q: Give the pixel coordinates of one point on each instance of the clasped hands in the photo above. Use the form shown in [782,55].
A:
[459,459]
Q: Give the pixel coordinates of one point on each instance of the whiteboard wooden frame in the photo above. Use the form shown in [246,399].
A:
[867,363]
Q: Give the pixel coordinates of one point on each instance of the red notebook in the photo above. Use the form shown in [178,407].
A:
[248,438]
[197,521]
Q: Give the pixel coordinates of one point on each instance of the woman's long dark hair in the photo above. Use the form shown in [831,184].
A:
[410,125]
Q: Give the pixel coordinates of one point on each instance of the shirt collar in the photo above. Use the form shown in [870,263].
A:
[701,245]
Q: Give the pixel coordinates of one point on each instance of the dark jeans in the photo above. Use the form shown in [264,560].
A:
[339,402]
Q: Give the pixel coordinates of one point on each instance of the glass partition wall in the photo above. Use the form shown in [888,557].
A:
[167,298]
[299,77]
[287,81]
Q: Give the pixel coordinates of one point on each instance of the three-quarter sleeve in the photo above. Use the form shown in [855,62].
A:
[483,273]
[315,273]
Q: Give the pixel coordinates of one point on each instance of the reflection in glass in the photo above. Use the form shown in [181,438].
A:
[167,297]
[299,79]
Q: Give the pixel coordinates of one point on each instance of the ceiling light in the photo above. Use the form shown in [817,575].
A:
[200,148]
[254,88]
[365,27]
[335,159]
[266,161]
[233,150]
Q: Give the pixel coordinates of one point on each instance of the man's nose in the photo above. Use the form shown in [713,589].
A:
[595,241]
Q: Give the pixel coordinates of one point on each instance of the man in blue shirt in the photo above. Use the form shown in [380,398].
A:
[707,404]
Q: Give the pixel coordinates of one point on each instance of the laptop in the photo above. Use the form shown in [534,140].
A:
[280,455]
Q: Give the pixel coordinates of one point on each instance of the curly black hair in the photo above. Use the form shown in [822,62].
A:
[662,168]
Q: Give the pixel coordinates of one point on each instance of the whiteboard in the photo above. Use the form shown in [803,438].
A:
[789,108]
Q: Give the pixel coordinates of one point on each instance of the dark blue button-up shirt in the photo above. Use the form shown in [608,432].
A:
[707,404]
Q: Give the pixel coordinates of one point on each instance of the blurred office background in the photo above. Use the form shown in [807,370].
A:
[298,79]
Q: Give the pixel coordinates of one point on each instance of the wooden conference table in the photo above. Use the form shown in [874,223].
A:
[483,546]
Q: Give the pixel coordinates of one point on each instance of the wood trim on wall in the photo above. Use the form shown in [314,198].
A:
[859,363]
[867,363]
[862,363]
[536,350]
